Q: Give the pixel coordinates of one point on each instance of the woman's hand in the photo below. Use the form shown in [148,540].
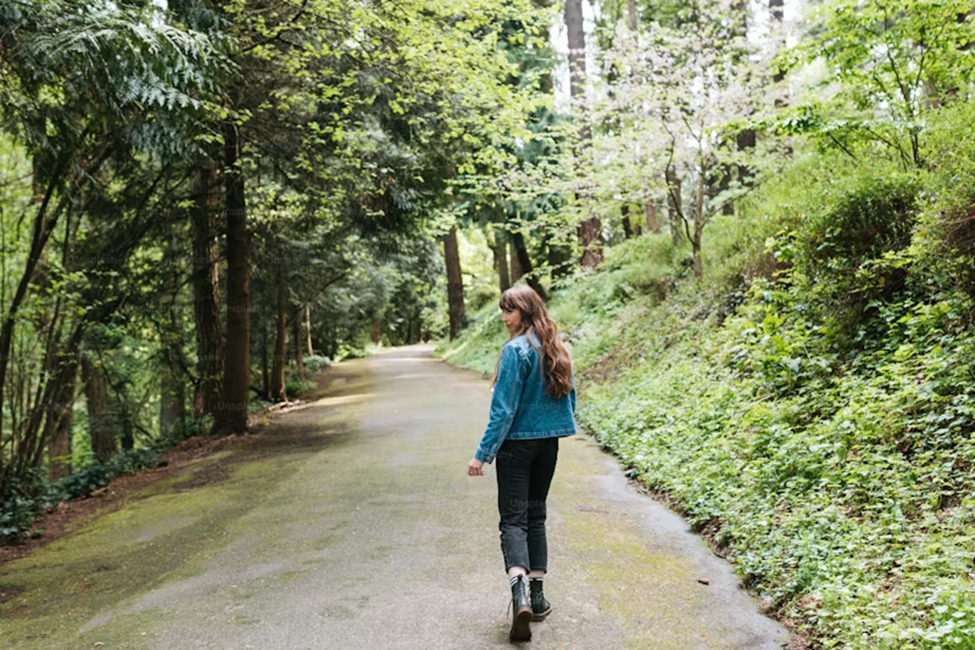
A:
[475,467]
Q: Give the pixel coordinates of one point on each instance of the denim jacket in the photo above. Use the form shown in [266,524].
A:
[520,408]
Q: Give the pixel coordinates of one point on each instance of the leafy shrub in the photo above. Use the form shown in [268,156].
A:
[88,479]
[316,362]
[26,497]
[295,385]
[20,506]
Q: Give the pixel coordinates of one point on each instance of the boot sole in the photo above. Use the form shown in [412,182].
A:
[521,627]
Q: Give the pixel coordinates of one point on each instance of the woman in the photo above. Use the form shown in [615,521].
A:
[532,407]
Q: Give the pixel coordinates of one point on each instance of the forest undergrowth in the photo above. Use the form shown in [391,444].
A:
[810,403]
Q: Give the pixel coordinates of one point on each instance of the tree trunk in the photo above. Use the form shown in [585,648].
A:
[172,389]
[172,396]
[128,430]
[745,139]
[311,350]
[625,219]
[517,273]
[650,216]
[501,260]
[455,283]
[674,207]
[52,400]
[280,345]
[231,416]
[525,263]
[101,417]
[206,290]
[698,228]
[577,50]
[59,423]
[560,260]
[746,142]
[631,20]
[265,361]
[777,13]
[591,239]
[590,230]
[299,341]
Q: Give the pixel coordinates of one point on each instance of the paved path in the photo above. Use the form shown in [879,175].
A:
[352,524]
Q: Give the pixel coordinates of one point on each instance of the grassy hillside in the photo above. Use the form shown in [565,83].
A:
[809,403]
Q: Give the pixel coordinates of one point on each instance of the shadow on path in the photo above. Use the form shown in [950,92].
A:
[350,523]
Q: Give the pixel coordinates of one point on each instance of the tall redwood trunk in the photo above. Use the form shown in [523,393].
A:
[59,422]
[265,361]
[298,342]
[51,402]
[101,416]
[746,139]
[311,350]
[777,13]
[280,344]
[231,414]
[590,230]
[455,282]
[172,388]
[206,290]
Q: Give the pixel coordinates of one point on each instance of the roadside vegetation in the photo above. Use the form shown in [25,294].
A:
[809,404]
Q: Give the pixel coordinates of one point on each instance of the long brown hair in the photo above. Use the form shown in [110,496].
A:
[535,320]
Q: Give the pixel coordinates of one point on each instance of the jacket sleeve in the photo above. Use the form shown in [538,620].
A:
[504,404]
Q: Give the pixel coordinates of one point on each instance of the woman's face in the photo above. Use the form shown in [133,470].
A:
[512,320]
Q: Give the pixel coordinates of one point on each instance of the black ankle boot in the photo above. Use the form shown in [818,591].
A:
[521,615]
[540,607]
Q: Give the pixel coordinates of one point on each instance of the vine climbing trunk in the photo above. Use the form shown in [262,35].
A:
[455,283]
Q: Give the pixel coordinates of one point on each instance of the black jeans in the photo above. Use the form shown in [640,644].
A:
[525,469]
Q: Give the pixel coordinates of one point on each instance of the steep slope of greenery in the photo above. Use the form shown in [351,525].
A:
[809,403]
